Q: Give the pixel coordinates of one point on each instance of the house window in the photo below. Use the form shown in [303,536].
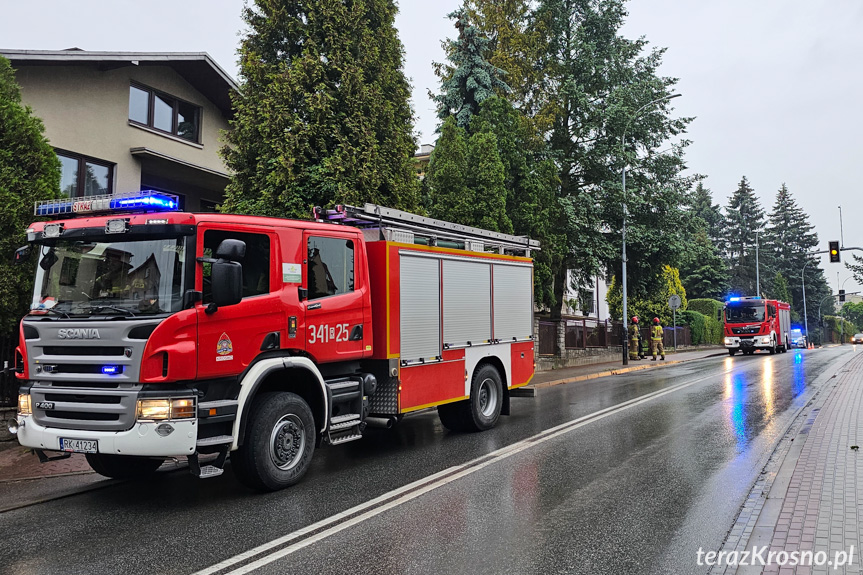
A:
[84,176]
[157,110]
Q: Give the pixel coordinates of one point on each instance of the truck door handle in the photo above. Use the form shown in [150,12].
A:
[356,333]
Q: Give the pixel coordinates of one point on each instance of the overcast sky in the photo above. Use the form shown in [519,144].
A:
[775,86]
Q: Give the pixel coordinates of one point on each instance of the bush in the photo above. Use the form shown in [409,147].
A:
[707,307]
[697,323]
[711,309]
[839,327]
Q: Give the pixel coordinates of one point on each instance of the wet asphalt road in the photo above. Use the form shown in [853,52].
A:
[638,491]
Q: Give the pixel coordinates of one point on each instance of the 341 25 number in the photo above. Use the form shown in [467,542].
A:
[326,333]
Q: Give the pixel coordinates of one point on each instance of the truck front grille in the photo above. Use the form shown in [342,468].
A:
[85,407]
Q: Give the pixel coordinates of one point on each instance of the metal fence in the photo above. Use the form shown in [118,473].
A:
[586,333]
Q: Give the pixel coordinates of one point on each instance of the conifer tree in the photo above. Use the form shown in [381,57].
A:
[323,113]
[469,79]
[710,213]
[29,172]
[744,217]
[787,239]
[447,175]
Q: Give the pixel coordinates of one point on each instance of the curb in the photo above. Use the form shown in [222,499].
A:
[530,390]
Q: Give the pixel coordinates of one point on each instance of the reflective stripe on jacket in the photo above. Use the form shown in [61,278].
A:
[656,333]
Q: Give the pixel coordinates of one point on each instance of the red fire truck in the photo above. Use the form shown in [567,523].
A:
[753,323]
[157,334]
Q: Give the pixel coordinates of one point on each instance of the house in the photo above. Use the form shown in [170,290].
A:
[127,121]
[422,159]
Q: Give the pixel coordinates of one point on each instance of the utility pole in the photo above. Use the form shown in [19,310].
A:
[757,268]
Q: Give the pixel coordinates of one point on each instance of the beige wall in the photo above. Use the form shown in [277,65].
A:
[87,111]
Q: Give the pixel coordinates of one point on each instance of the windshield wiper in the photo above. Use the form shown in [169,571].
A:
[101,306]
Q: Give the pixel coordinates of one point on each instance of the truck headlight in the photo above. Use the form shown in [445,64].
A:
[168,408]
[765,340]
[24,404]
[728,341]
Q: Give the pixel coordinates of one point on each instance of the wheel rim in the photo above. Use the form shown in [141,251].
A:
[488,397]
[287,442]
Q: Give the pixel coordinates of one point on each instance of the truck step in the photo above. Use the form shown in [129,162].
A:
[217,440]
[341,385]
[209,471]
[345,438]
[344,418]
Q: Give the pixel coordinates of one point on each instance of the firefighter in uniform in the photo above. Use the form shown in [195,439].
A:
[656,340]
[634,337]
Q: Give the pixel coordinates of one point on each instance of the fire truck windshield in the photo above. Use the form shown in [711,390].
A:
[744,313]
[78,278]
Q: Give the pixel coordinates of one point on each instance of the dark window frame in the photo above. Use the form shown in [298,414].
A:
[151,111]
[82,169]
[312,295]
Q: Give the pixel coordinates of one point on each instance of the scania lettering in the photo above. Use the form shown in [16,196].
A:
[155,334]
[753,323]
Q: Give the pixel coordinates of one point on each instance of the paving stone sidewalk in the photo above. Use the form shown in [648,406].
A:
[816,505]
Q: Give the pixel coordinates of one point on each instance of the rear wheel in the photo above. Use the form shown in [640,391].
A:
[279,442]
[123,466]
[482,410]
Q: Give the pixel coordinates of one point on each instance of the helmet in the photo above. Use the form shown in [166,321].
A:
[656,320]
[635,319]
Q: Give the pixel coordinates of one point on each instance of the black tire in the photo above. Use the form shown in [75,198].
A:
[773,348]
[123,466]
[732,351]
[486,399]
[451,415]
[279,442]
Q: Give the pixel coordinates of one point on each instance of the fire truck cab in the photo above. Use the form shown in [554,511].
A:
[156,334]
[753,323]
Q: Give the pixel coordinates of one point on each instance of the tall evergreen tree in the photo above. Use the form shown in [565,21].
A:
[709,213]
[486,183]
[29,171]
[323,113]
[744,218]
[447,175]
[470,79]
[787,239]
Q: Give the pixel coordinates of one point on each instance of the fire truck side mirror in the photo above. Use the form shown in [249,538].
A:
[227,283]
[22,254]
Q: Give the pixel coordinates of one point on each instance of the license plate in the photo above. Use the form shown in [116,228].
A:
[79,445]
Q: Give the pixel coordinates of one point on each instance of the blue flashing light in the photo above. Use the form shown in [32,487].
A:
[145,201]
[112,369]
[734,299]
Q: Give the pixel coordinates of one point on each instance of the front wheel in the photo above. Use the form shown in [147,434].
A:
[279,442]
[772,348]
[123,466]
[732,351]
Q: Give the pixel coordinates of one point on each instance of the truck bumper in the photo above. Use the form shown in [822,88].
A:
[758,342]
[142,439]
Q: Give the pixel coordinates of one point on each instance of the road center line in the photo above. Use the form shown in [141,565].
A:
[339,522]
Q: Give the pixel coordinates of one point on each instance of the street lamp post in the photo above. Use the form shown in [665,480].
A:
[623,232]
[803,283]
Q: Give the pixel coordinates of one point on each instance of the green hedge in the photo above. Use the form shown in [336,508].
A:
[711,309]
[707,307]
[697,323]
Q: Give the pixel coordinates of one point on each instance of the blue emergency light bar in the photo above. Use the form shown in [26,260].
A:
[144,201]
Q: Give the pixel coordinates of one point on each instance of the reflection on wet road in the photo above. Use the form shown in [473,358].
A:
[637,491]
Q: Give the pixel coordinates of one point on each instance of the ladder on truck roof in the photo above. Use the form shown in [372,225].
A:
[382,223]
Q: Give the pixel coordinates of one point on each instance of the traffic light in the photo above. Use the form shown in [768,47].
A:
[842,295]
[834,253]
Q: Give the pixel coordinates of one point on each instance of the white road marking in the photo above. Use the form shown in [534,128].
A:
[355,515]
